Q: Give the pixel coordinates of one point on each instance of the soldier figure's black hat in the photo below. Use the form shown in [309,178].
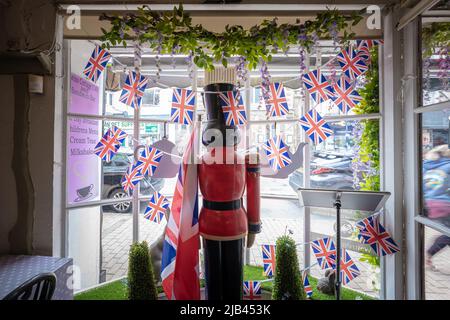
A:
[216,119]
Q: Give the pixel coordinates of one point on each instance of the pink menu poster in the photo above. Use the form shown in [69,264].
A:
[84,96]
[83,166]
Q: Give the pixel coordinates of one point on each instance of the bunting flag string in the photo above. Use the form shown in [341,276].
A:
[277,153]
[372,232]
[156,208]
[96,63]
[268,254]
[110,143]
[252,290]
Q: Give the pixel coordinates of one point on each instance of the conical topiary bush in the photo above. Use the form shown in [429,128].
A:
[288,283]
[141,281]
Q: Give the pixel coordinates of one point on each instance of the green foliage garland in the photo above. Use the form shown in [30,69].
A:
[288,284]
[172,32]
[141,281]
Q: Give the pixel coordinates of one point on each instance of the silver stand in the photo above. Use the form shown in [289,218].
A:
[342,199]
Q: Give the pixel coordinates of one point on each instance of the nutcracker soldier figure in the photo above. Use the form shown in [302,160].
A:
[224,223]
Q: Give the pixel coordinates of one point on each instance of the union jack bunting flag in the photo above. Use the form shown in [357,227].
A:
[349,270]
[363,46]
[180,258]
[345,96]
[233,108]
[131,178]
[133,89]
[318,86]
[156,208]
[307,285]
[96,63]
[149,160]
[276,103]
[324,250]
[277,153]
[268,253]
[110,143]
[252,290]
[316,128]
[352,65]
[372,232]
[183,105]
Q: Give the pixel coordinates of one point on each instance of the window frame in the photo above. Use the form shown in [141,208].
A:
[137,121]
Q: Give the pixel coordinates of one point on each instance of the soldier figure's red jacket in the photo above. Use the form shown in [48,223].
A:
[223,216]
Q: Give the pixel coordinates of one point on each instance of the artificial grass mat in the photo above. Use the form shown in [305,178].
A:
[117,290]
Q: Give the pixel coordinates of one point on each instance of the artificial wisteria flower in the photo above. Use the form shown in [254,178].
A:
[241,69]
[444,67]
[335,36]
[285,41]
[190,63]
[265,80]
[426,77]
[158,53]
[175,49]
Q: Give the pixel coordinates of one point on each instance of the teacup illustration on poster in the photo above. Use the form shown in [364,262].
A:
[84,193]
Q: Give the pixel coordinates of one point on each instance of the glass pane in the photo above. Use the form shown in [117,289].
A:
[116,238]
[435,60]
[114,170]
[84,245]
[436,166]
[437,265]
[290,133]
[349,159]
[323,224]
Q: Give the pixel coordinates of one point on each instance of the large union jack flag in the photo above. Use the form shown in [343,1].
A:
[349,270]
[351,63]
[318,86]
[324,250]
[149,160]
[133,89]
[345,96]
[110,143]
[233,108]
[252,290]
[307,285]
[372,232]
[131,178]
[96,63]
[183,106]
[277,153]
[316,128]
[180,259]
[156,208]
[276,104]
[268,253]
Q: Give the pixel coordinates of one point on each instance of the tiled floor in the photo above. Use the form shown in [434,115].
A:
[278,217]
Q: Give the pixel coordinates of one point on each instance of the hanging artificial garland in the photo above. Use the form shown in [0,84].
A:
[172,32]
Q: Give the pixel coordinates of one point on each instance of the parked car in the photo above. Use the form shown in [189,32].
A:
[112,177]
[328,171]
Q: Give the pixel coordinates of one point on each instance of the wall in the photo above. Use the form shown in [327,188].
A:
[8,198]
[26,208]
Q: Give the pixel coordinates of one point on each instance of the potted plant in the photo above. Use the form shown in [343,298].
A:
[141,281]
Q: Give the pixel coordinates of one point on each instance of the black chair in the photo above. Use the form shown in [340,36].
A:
[40,287]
